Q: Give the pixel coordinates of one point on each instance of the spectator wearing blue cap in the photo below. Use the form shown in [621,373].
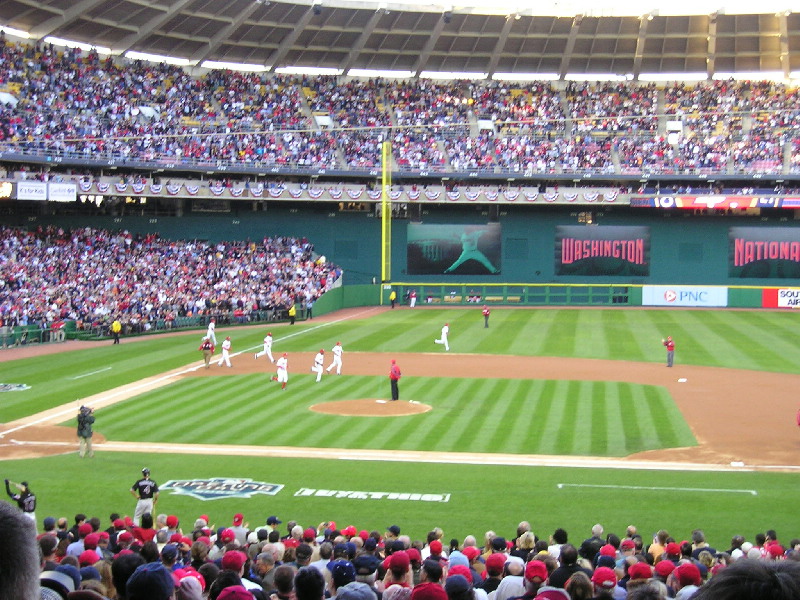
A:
[151,581]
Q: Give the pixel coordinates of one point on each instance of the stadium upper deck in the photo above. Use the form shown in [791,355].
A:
[74,108]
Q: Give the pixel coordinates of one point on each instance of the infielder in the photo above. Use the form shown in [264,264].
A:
[146,493]
[317,367]
[283,374]
[337,359]
[212,324]
[267,351]
[670,346]
[443,338]
[226,353]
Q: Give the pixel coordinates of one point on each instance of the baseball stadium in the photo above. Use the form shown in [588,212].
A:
[573,230]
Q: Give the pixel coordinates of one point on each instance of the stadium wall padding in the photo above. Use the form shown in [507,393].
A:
[684,248]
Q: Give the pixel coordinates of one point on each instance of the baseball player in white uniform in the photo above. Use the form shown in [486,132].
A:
[226,353]
[443,338]
[337,359]
[283,373]
[267,351]
[317,367]
[212,324]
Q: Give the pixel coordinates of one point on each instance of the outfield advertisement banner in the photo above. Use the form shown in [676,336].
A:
[684,295]
[597,251]
[780,298]
[764,252]
[453,249]
[712,201]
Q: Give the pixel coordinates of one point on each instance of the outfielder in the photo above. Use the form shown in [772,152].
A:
[146,493]
[267,351]
[443,338]
[283,374]
[337,359]
[212,324]
[226,353]
[486,312]
[317,367]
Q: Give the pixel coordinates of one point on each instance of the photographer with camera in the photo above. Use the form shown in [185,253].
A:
[85,422]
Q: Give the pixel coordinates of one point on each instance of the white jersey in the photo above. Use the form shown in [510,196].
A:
[226,345]
[282,363]
[318,359]
[268,342]
[445,331]
[337,351]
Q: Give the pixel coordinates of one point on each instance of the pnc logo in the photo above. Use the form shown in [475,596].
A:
[670,296]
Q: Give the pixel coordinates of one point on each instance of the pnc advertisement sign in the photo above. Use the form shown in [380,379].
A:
[684,295]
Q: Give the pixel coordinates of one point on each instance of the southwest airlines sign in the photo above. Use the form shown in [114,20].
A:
[684,295]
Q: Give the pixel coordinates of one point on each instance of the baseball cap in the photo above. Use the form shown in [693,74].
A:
[496,561]
[233,560]
[356,590]
[627,544]
[172,521]
[499,544]
[640,570]
[169,552]
[119,524]
[456,584]
[535,568]
[604,577]
[226,536]
[458,558]
[664,568]
[393,529]
[471,552]
[342,572]
[460,570]
[84,529]
[310,534]
[399,560]
[125,536]
[234,592]
[673,549]
[145,471]
[151,580]
[238,518]
[273,520]
[49,522]
[370,543]
[436,547]
[688,574]
[88,557]
[366,564]
[608,550]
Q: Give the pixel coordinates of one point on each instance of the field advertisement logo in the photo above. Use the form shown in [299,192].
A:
[670,296]
[220,487]
[13,387]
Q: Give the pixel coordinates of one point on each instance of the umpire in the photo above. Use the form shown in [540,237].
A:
[85,422]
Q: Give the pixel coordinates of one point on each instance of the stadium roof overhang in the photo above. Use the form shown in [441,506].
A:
[688,40]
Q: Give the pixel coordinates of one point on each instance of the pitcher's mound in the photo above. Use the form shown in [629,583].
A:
[369,407]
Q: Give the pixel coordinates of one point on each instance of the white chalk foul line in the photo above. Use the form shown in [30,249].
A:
[651,488]
[90,374]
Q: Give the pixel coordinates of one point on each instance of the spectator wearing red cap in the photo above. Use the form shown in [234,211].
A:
[494,572]
[237,561]
[639,573]
[398,569]
[685,580]
[604,581]
[535,577]
[240,529]
[627,549]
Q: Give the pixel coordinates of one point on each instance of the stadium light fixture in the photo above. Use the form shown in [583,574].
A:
[233,66]
[158,58]
[308,71]
[451,75]
[525,76]
[15,32]
[380,73]
[56,41]
[672,76]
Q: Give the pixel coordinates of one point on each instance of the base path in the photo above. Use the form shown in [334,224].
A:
[741,419]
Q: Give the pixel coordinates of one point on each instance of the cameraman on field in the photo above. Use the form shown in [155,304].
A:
[85,421]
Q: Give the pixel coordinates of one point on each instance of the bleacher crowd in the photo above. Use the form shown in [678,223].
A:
[166,557]
[94,276]
[67,103]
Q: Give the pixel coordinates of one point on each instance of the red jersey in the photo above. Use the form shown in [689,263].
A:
[394,373]
[670,345]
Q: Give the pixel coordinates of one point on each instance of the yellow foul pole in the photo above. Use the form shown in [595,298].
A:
[386,212]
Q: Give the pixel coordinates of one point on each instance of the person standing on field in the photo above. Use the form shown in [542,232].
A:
[283,374]
[317,366]
[226,353]
[207,348]
[211,333]
[145,490]
[443,338]
[116,328]
[337,359]
[267,347]
[393,298]
[485,313]
[670,346]
[412,299]
[394,378]
[85,422]
[292,313]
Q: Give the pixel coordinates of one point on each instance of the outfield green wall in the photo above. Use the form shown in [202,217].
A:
[684,248]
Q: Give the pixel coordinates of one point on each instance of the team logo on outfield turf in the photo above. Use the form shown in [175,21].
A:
[13,387]
[220,487]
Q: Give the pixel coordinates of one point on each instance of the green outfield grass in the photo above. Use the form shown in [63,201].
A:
[536,416]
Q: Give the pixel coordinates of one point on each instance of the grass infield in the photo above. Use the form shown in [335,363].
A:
[535,416]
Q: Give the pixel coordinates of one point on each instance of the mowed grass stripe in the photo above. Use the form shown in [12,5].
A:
[667,435]
[557,431]
[629,421]
[501,404]
[580,411]
[564,339]
[487,424]
[523,413]
[750,344]
[599,419]
[720,340]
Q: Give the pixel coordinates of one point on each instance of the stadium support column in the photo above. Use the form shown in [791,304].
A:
[386,212]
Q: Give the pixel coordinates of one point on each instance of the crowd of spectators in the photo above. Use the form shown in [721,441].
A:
[75,104]
[160,558]
[94,276]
